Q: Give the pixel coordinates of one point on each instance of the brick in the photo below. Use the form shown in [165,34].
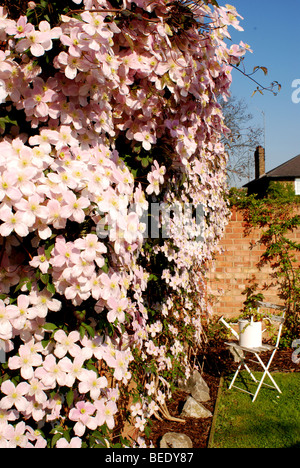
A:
[238,265]
[226,242]
[235,235]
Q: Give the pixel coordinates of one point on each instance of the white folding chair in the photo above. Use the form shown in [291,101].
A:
[242,353]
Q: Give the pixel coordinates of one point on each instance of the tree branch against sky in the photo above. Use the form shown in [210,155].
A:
[242,140]
[281,113]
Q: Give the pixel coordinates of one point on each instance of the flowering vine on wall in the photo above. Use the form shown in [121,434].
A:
[104,112]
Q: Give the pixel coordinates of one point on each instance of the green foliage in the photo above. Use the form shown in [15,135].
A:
[215,332]
[284,192]
[277,215]
[251,298]
[49,11]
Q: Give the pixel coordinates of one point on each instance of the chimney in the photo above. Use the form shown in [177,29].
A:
[260,162]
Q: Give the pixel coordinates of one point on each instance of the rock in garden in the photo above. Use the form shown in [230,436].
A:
[193,409]
[175,440]
[197,387]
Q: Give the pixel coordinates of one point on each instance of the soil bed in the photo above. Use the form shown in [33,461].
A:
[217,362]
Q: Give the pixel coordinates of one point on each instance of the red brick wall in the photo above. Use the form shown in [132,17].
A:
[236,268]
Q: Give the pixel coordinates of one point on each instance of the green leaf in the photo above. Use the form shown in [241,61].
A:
[110,329]
[105,267]
[55,439]
[45,343]
[145,162]
[153,278]
[97,435]
[91,366]
[89,329]
[49,250]
[7,120]
[147,431]
[51,288]
[44,278]
[57,428]
[130,41]
[81,331]
[50,326]
[21,284]
[70,398]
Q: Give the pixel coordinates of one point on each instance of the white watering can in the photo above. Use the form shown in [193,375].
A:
[250,333]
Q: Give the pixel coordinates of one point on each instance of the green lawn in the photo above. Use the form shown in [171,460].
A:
[272,421]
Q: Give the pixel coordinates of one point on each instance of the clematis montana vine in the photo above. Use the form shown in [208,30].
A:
[106,114]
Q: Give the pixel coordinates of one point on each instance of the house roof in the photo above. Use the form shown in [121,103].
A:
[290,168]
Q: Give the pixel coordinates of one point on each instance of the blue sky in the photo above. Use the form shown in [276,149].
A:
[272,29]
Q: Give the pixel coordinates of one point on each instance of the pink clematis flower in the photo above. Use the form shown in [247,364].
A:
[72,41]
[82,413]
[92,248]
[40,261]
[73,207]
[35,410]
[32,209]
[20,29]
[91,383]
[75,442]
[37,41]
[36,390]
[43,301]
[17,222]
[51,372]
[50,34]
[105,412]
[17,437]
[38,99]
[63,253]
[14,395]
[26,360]
[74,370]
[158,172]
[117,308]
[110,285]
[72,64]
[153,186]
[7,315]
[55,217]
[8,189]
[146,137]
[66,344]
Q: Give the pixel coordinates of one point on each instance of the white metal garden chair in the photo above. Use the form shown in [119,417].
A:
[242,352]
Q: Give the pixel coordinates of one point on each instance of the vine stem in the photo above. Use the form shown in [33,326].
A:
[2,251]
[23,247]
[260,86]
[163,408]
[110,10]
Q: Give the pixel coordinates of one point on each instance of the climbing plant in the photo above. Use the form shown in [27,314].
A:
[278,216]
[108,111]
